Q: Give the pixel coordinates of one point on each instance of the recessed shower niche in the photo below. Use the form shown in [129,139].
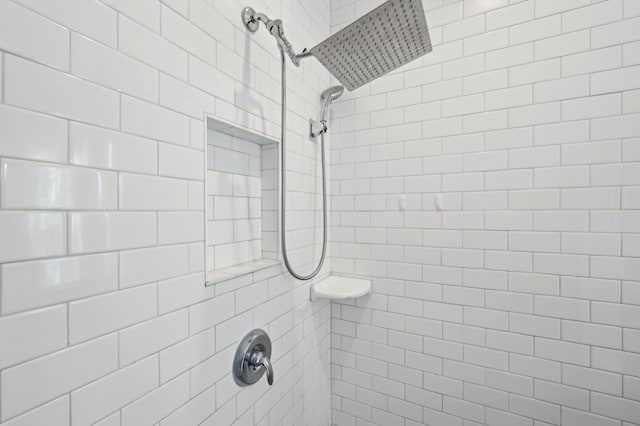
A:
[241,201]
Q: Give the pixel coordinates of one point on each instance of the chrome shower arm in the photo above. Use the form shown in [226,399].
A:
[261,17]
[276,30]
[304,54]
[252,20]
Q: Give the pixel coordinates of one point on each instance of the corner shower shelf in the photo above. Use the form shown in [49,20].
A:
[334,287]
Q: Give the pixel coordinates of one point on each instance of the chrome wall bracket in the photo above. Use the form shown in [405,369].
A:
[317,128]
[252,359]
[251,20]
[248,18]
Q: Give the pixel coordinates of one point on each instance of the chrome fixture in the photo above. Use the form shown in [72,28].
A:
[328,96]
[391,35]
[318,128]
[384,39]
[252,20]
[252,359]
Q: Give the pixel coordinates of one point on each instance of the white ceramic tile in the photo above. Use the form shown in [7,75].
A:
[139,192]
[463,28]
[522,210]
[615,314]
[592,379]
[516,55]
[95,316]
[563,88]
[31,185]
[181,292]
[152,121]
[226,413]
[207,314]
[172,115]
[147,12]
[594,334]
[148,47]
[25,134]
[186,354]
[560,394]
[623,126]
[615,361]
[592,61]
[91,18]
[184,98]
[153,264]
[180,227]
[548,7]
[33,334]
[619,408]
[32,235]
[196,410]
[151,336]
[180,31]
[590,153]
[227,332]
[94,401]
[98,63]
[55,412]
[591,16]
[563,351]
[563,45]
[534,72]
[21,29]
[535,30]
[112,420]
[28,285]
[30,384]
[210,79]
[615,33]
[180,162]
[36,87]
[101,232]
[157,404]
[105,149]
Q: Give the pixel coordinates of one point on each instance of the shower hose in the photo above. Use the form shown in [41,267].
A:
[283,171]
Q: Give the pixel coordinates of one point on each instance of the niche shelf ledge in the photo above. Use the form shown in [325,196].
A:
[334,287]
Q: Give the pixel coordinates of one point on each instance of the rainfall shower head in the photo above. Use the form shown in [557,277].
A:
[384,39]
[328,96]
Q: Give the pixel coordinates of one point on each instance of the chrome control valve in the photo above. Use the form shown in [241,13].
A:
[252,359]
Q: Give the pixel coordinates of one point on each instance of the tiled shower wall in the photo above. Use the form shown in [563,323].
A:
[234,219]
[519,302]
[104,315]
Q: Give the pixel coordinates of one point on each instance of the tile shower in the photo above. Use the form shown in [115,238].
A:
[489,190]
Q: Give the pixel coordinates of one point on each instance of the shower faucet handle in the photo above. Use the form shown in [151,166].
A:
[258,359]
[252,359]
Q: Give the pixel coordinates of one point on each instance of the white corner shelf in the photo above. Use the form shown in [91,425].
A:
[334,287]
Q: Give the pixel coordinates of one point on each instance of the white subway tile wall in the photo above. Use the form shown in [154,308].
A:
[235,171]
[517,303]
[104,314]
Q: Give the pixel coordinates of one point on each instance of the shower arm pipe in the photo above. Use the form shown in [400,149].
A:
[251,20]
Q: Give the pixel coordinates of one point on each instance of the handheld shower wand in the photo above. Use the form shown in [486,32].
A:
[318,128]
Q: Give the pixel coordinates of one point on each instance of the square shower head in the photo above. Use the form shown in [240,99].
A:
[384,39]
